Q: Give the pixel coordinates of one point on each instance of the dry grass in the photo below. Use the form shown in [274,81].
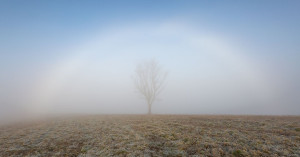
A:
[158,135]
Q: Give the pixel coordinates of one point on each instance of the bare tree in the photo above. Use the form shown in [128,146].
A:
[149,79]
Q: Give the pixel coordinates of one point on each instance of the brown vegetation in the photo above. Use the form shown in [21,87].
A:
[157,135]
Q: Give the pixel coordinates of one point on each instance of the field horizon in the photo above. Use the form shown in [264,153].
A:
[153,135]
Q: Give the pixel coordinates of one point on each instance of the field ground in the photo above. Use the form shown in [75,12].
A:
[157,135]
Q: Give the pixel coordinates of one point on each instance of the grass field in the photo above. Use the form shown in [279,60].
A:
[157,135]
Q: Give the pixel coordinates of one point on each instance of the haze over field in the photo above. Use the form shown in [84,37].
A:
[222,57]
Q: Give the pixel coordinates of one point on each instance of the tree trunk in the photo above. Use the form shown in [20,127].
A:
[149,109]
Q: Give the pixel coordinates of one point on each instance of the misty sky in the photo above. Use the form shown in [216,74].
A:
[222,57]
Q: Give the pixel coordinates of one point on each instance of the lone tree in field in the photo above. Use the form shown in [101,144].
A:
[149,79]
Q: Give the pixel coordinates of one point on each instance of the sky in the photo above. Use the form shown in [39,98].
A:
[222,57]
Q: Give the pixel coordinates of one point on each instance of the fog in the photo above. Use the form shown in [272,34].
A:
[211,70]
